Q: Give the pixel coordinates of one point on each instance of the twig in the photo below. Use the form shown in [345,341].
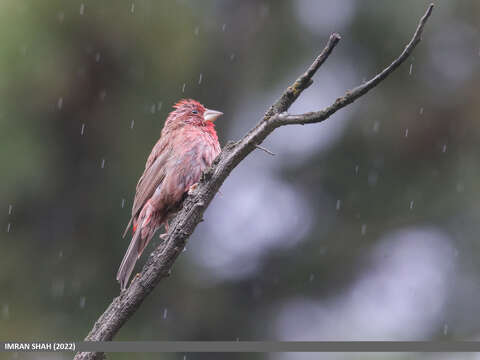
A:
[265,149]
[304,81]
[161,260]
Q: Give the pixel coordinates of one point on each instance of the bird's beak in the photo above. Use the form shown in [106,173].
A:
[211,115]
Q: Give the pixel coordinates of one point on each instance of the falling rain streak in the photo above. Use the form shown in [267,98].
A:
[132,124]
[83,300]
[123,203]
[364,229]
[183,87]
[60,103]
[132,8]
[224,26]
[165,313]
[103,163]
[406,132]
[444,148]
[410,69]
[9,227]
[82,130]
[10,209]
[200,79]
[412,203]
[339,204]
[82,9]
[196,31]
[97,57]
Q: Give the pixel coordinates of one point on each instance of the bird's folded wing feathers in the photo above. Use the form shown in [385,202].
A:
[151,178]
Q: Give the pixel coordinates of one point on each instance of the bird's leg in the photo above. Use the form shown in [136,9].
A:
[165,235]
[192,188]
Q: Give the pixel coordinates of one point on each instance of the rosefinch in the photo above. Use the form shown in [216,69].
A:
[187,146]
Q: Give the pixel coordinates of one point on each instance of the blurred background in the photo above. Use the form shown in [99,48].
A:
[364,227]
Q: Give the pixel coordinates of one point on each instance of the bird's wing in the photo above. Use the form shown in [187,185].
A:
[151,178]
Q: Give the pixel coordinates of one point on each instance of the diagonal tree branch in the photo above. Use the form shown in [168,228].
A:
[352,95]
[160,262]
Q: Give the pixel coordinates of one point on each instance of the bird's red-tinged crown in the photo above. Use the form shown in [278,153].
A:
[187,102]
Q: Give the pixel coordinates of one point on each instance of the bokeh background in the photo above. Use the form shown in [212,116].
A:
[364,227]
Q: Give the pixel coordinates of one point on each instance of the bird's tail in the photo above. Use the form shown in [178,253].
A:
[129,260]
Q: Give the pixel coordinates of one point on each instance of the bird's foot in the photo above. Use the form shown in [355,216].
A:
[192,188]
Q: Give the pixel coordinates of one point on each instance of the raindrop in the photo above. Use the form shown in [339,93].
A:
[132,8]
[132,124]
[83,299]
[159,106]
[444,148]
[183,88]
[357,168]
[165,313]
[61,16]
[5,311]
[364,229]
[184,357]
[82,9]
[412,203]
[376,126]
[82,130]
[445,329]
[123,203]
[58,288]
[197,29]
[103,163]
[410,70]
[224,26]
[10,209]
[421,111]
[406,132]
[9,227]
[339,204]
[200,79]
[103,94]
[459,187]
[311,277]
[232,57]
[97,57]
[60,103]
[152,109]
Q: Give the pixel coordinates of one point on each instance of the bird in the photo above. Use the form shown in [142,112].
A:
[187,146]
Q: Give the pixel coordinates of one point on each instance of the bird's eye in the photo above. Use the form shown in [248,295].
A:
[194,112]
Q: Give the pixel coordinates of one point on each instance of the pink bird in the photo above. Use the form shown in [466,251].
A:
[187,146]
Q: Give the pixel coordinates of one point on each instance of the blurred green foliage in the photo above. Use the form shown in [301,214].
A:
[86,83]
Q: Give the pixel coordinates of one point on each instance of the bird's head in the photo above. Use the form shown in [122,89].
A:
[192,112]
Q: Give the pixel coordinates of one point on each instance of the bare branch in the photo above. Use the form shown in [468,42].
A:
[352,95]
[304,81]
[160,262]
